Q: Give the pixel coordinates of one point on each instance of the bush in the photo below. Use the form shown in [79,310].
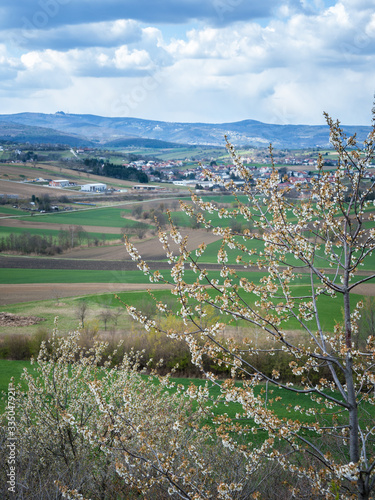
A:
[16,347]
[21,347]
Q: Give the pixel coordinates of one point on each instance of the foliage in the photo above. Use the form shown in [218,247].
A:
[330,235]
[26,242]
[99,167]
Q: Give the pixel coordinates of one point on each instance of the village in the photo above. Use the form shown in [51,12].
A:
[150,173]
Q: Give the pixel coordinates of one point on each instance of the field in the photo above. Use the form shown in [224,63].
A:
[13,177]
[106,222]
[49,171]
[42,230]
[27,190]
[86,216]
[101,280]
[33,283]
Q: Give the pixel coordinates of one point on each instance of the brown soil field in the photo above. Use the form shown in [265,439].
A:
[17,172]
[49,171]
[27,190]
[148,249]
[13,294]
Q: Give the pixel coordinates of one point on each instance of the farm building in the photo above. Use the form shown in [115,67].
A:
[94,188]
[59,183]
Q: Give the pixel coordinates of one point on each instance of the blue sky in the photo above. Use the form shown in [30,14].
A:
[190,60]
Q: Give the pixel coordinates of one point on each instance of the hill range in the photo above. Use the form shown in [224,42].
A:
[91,130]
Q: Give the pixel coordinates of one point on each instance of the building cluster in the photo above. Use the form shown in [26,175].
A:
[197,177]
[294,169]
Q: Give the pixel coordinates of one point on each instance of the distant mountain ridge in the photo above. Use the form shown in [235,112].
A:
[88,130]
[17,132]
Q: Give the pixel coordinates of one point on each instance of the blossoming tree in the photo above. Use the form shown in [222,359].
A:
[322,240]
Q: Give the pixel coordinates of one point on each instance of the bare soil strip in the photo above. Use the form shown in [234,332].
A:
[13,294]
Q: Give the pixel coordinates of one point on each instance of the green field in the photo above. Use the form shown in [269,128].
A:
[211,252]
[18,276]
[6,231]
[13,369]
[9,369]
[107,217]
[330,310]
[10,211]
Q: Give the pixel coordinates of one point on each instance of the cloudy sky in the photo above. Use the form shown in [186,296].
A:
[190,60]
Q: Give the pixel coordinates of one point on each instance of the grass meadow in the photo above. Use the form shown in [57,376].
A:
[6,210]
[6,231]
[320,261]
[107,216]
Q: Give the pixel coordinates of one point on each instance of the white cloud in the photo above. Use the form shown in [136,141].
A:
[125,59]
[287,69]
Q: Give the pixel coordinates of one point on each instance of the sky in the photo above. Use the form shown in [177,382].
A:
[212,61]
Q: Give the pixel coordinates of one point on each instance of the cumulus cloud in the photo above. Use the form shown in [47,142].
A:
[89,62]
[281,62]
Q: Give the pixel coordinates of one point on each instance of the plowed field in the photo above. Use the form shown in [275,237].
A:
[11,294]
[27,190]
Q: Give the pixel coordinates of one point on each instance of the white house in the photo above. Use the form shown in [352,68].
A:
[94,188]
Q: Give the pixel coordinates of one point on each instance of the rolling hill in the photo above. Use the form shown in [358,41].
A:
[79,130]
[18,132]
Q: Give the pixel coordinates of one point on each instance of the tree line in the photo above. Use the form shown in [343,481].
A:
[107,169]
[28,243]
